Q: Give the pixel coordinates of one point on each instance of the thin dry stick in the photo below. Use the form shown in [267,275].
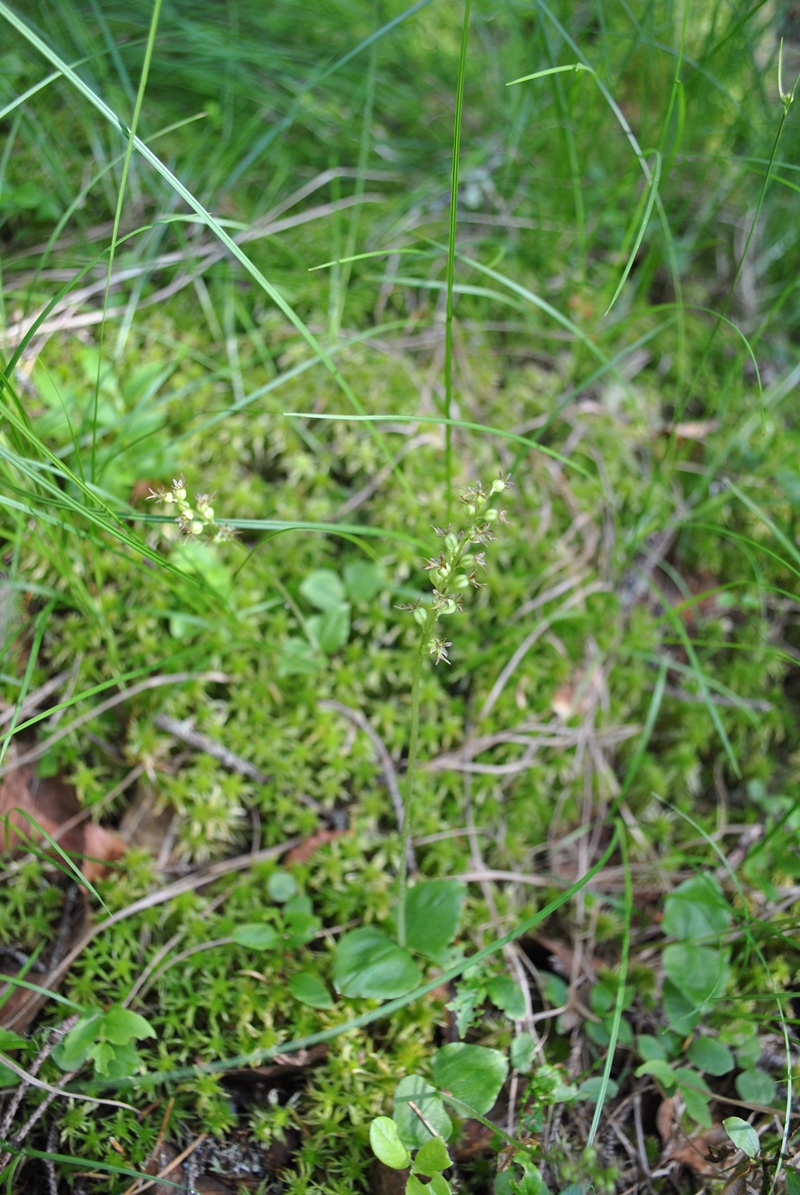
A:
[223,755]
[152,682]
[178,1160]
[35,1067]
[36,698]
[187,884]
[387,766]
[74,1095]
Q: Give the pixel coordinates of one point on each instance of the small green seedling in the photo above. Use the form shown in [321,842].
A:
[467,1077]
[328,631]
[107,1038]
[371,963]
[431,1158]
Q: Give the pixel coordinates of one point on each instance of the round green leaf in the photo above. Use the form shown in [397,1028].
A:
[681,1013]
[323,589]
[415,1186]
[256,935]
[660,1069]
[755,1087]
[368,963]
[592,1089]
[696,909]
[523,1048]
[363,580]
[473,1074]
[282,886]
[298,657]
[332,628]
[650,1047]
[433,911]
[386,1144]
[432,1156]
[709,1054]
[743,1135]
[700,973]
[507,996]
[426,1100]
[310,990]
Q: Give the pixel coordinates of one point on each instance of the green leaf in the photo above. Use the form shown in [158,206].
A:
[300,927]
[523,1048]
[121,1026]
[10,1040]
[468,998]
[650,1048]
[368,963]
[256,935]
[298,657]
[102,1053]
[696,1095]
[681,1013]
[363,581]
[696,909]
[591,1089]
[709,1054]
[125,1062]
[386,1144]
[507,996]
[700,973]
[432,1156]
[660,1069]
[755,1086]
[7,1077]
[413,1133]
[310,990]
[792,1180]
[433,911]
[438,1185]
[554,989]
[414,1186]
[323,589]
[331,629]
[75,1046]
[281,886]
[473,1074]
[743,1136]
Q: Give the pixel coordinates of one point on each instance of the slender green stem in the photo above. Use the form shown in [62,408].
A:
[451,258]
[413,742]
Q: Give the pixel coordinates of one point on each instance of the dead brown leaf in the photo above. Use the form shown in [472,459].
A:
[29,805]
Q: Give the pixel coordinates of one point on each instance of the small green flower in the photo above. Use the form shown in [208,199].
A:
[456,567]
[193,521]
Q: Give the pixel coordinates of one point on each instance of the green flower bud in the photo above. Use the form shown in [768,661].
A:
[421,615]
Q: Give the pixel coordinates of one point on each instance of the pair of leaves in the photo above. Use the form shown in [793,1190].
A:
[472,1075]
[295,925]
[371,964]
[696,913]
[107,1039]
[329,630]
